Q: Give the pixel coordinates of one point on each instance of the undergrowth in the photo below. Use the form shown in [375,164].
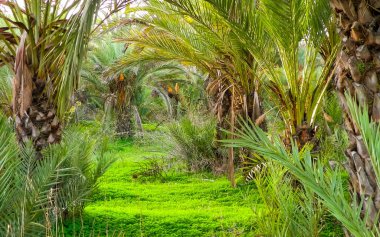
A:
[146,193]
[162,201]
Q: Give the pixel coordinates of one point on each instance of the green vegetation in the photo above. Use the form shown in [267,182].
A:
[43,191]
[176,204]
[194,142]
[189,118]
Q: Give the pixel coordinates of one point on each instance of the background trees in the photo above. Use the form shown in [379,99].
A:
[193,32]
[249,49]
[108,82]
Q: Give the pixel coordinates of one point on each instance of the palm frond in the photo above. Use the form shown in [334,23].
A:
[369,130]
[34,194]
[5,89]
[321,180]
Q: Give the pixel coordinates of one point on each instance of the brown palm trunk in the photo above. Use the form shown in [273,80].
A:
[118,85]
[40,124]
[35,117]
[358,68]
[124,123]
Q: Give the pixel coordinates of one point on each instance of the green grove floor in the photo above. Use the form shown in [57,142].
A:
[182,205]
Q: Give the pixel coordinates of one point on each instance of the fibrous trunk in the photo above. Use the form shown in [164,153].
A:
[40,124]
[35,117]
[228,103]
[358,70]
[124,124]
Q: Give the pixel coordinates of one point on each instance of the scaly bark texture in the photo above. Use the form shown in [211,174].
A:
[124,122]
[358,71]
[35,117]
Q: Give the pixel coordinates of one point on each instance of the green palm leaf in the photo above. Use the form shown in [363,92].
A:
[321,180]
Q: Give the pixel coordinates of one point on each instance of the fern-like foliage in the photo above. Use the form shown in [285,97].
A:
[36,195]
[323,181]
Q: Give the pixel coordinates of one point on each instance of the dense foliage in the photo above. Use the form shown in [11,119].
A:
[189,118]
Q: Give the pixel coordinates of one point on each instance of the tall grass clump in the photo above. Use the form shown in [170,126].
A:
[193,139]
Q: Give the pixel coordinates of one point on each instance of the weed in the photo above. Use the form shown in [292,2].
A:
[152,168]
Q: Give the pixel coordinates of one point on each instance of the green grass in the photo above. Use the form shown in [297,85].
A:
[179,204]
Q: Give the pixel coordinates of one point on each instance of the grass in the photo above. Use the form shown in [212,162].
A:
[181,204]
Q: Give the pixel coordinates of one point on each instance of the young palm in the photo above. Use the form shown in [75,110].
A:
[298,87]
[36,195]
[322,181]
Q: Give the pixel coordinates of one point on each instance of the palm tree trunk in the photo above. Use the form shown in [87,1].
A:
[35,117]
[124,123]
[39,124]
[358,68]
[138,120]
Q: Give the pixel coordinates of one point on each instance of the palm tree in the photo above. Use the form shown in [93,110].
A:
[44,43]
[298,86]
[295,29]
[116,87]
[192,32]
[357,76]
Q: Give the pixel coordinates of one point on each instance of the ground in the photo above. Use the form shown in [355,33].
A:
[134,199]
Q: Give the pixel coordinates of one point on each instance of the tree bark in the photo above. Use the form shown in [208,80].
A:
[39,124]
[122,105]
[358,68]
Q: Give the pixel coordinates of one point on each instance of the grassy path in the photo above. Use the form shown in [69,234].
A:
[182,205]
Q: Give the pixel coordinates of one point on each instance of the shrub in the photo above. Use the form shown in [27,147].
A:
[152,168]
[35,195]
[193,138]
